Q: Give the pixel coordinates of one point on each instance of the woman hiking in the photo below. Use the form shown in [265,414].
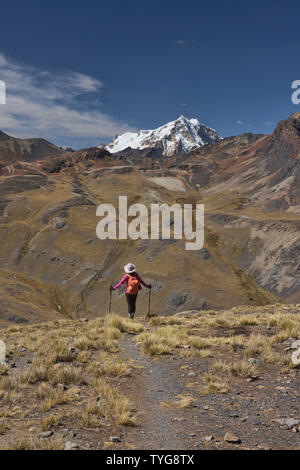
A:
[133,283]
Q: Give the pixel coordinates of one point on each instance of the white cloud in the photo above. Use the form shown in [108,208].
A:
[180,41]
[239,122]
[53,105]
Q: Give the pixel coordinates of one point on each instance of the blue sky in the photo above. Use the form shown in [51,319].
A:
[79,72]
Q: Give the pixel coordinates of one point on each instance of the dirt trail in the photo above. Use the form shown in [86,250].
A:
[156,382]
[248,409]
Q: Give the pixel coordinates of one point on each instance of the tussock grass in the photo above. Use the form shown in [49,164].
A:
[50,422]
[68,375]
[162,340]
[153,344]
[113,403]
[37,444]
[115,368]
[213,384]
[256,345]
[3,425]
[124,325]
[3,369]
[56,397]
[242,369]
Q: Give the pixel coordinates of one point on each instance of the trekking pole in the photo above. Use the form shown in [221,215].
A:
[149,303]
[109,307]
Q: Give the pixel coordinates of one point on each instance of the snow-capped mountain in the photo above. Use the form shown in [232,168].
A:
[182,135]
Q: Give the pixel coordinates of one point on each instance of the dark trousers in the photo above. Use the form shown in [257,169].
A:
[131,300]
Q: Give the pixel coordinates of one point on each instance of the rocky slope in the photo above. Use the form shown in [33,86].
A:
[179,136]
[28,150]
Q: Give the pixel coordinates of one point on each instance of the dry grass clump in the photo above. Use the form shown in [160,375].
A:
[3,425]
[3,369]
[247,320]
[37,444]
[106,364]
[68,375]
[162,340]
[242,369]
[56,397]
[184,401]
[34,374]
[214,384]
[221,366]
[115,368]
[113,404]
[256,345]
[124,325]
[9,384]
[50,422]
[163,320]
[153,345]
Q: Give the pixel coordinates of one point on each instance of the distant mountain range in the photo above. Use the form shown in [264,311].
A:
[179,136]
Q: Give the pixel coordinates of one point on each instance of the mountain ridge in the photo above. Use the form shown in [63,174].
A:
[181,135]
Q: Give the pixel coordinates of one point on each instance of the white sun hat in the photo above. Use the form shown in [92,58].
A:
[129,268]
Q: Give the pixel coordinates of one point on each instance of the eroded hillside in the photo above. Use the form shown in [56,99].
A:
[53,264]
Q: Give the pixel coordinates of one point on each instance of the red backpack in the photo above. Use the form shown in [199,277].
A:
[133,286]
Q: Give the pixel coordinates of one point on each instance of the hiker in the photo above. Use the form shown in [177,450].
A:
[133,283]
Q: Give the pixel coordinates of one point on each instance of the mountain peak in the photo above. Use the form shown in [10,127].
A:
[179,136]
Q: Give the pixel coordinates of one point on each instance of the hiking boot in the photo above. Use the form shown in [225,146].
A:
[131,316]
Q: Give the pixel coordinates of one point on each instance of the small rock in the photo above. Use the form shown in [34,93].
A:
[56,366]
[253,361]
[61,387]
[264,447]
[282,389]
[208,438]
[230,437]
[289,422]
[69,445]
[115,439]
[59,225]
[254,420]
[295,344]
[46,434]
[296,358]
[252,378]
